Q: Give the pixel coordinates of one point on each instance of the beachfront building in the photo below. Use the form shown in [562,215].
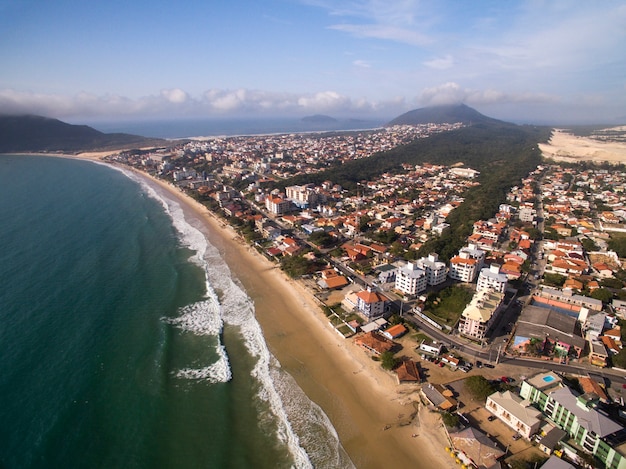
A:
[588,426]
[515,412]
[490,278]
[436,270]
[371,304]
[480,314]
[476,449]
[410,279]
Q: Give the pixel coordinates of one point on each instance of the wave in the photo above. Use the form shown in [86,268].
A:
[300,422]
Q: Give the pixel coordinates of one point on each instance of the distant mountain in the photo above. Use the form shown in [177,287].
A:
[443,114]
[318,119]
[30,133]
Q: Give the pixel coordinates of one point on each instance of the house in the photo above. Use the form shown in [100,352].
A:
[374,342]
[408,372]
[440,397]
[515,412]
[431,347]
[332,280]
[475,448]
[395,331]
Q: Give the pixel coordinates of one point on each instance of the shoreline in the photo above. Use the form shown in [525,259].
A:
[366,406]
[376,419]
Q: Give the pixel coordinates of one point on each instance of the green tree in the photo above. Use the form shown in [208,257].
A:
[602,294]
[388,361]
[479,387]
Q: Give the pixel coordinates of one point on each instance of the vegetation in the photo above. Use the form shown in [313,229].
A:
[449,303]
[617,243]
[449,419]
[479,387]
[388,361]
[36,133]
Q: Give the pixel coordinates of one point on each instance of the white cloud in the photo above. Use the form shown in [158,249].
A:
[361,64]
[384,31]
[453,93]
[440,63]
[175,95]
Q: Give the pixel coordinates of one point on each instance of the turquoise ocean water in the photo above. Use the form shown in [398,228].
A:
[126,342]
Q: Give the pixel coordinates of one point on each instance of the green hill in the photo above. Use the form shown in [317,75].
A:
[443,115]
[30,133]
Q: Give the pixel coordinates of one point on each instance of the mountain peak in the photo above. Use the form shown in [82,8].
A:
[449,114]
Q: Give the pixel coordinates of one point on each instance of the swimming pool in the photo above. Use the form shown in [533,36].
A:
[548,378]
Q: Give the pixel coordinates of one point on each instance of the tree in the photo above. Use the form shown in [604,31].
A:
[602,294]
[388,361]
[479,387]
[449,419]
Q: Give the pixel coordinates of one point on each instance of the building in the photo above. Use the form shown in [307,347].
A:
[587,425]
[491,279]
[480,314]
[371,304]
[515,412]
[277,206]
[302,196]
[411,280]
[466,265]
[436,270]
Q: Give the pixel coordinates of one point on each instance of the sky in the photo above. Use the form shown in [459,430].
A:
[543,62]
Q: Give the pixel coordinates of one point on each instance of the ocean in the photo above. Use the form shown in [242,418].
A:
[127,342]
[184,128]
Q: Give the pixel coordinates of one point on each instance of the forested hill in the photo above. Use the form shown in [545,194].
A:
[449,114]
[39,134]
[503,153]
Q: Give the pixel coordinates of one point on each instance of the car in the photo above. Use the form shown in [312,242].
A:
[464,369]
[491,418]
[488,365]
[479,364]
[441,364]
[517,436]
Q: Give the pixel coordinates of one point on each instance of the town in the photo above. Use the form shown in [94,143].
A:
[539,284]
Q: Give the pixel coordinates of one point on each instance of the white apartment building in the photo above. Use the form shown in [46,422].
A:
[410,279]
[490,278]
[436,271]
[466,265]
[302,196]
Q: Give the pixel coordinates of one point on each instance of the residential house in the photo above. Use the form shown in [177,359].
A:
[374,342]
[515,412]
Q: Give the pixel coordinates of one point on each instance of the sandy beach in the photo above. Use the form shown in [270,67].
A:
[373,415]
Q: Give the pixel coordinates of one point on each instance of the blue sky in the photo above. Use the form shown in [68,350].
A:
[526,61]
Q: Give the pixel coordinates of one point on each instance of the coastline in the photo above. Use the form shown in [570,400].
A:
[369,410]
[375,418]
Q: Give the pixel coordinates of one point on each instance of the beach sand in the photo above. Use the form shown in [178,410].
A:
[372,414]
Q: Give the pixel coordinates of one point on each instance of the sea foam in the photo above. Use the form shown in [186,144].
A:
[293,412]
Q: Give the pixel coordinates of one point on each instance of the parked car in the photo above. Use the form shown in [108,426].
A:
[517,436]
[491,418]
[479,364]
[488,365]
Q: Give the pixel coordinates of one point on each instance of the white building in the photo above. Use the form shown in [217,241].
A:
[302,196]
[516,412]
[410,279]
[491,279]
[371,304]
[277,206]
[436,270]
[466,265]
